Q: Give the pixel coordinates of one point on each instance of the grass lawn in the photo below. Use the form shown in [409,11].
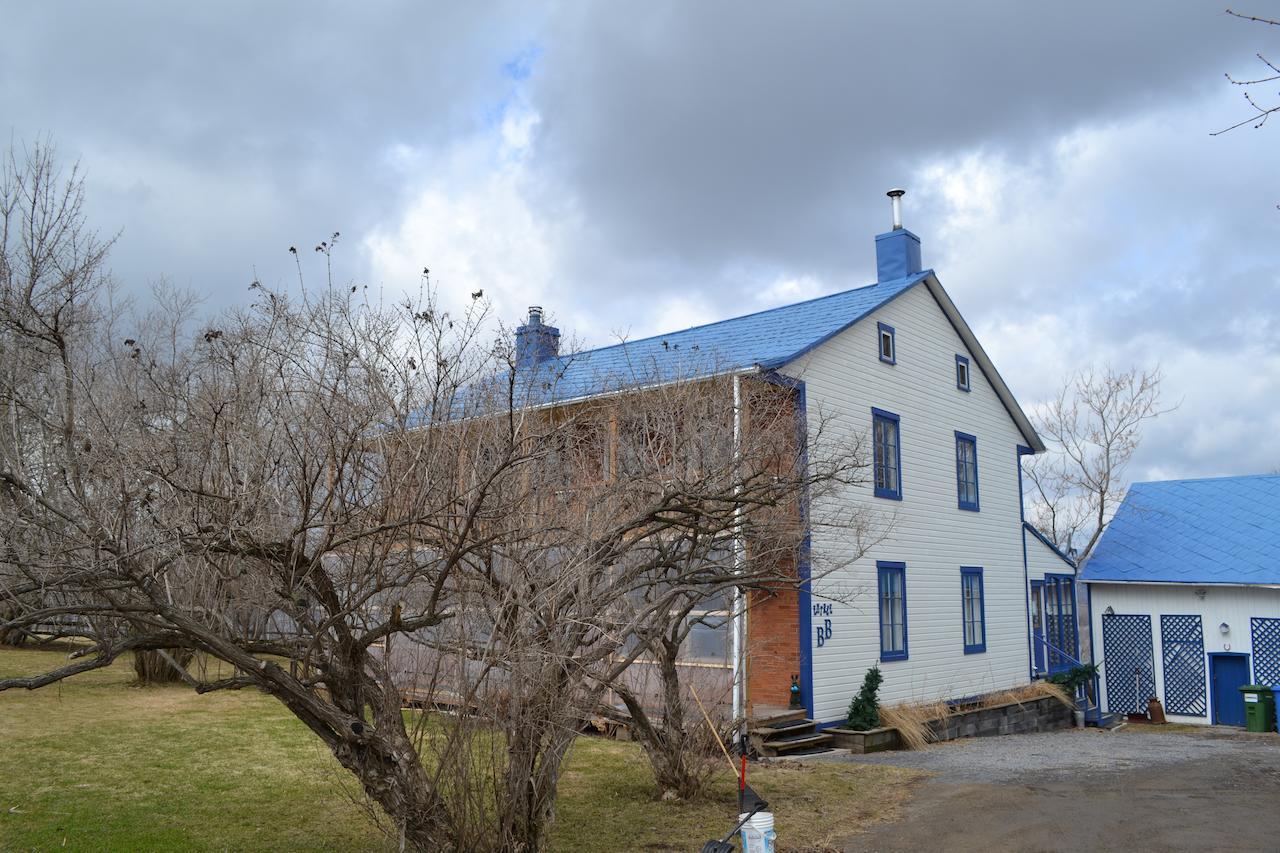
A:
[95,764]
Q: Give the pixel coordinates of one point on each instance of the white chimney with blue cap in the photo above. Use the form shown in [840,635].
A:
[898,250]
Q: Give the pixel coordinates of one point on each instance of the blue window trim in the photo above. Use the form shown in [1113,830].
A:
[968,373]
[971,506]
[965,573]
[880,492]
[881,328]
[883,568]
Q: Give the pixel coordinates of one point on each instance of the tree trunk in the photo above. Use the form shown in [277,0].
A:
[152,668]
[535,752]
[382,757]
[394,778]
[10,636]
[676,758]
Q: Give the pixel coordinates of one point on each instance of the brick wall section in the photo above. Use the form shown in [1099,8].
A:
[773,649]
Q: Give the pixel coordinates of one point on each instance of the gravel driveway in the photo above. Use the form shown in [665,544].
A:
[1136,789]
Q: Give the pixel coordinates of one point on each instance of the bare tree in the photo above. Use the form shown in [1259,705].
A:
[1092,427]
[713,437]
[352,503]
[51,261]
[1261,111]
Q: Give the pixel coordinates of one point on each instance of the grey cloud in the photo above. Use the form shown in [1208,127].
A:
[706,133]
[217,135]
[702,152]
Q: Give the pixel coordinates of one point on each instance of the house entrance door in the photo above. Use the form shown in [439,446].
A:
[1037,624]
[1228,672]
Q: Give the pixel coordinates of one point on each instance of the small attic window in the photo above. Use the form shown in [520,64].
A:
[962,373]
[888,350]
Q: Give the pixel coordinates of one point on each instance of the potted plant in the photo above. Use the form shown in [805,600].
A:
[1078,681]
[862,731]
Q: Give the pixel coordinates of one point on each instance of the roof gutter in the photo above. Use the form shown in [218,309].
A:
[1183,583]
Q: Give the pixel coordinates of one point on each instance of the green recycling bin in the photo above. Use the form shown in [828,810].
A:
[1259,707]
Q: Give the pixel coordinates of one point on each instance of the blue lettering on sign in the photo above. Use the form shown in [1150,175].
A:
[823,632]
[822,609]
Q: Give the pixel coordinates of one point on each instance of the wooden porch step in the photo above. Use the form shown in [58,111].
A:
[783,730]
[778,719]
[790,733]
[810,743]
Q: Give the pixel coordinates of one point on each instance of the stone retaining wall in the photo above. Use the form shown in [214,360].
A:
[1037,715]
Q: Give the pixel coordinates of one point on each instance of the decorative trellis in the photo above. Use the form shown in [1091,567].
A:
[1182,651]
[1129,661]
[1266,650]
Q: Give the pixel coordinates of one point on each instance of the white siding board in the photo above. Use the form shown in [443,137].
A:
[1234,605]
[844,379]
[1041,560]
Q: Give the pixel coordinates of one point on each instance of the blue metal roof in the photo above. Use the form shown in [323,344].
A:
[768,339]
[1223,530]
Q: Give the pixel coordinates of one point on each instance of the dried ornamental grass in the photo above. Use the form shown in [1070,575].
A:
[1028,693]
[914,721]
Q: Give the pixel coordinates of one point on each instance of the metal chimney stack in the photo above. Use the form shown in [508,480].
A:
[896,195]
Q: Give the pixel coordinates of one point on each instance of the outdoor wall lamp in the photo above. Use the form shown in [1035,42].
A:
[1224,628]
[1110,611]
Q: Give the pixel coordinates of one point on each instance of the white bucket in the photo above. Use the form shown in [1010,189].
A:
[757,833]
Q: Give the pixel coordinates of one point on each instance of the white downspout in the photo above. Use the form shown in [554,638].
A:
[739,561]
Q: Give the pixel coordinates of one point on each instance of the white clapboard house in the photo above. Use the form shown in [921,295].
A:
[946,600]
[1184,592]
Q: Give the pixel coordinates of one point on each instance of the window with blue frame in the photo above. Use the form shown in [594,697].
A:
[888,346]
[973,610]
[893,610]
[967,471]
[962,373]
[887,454]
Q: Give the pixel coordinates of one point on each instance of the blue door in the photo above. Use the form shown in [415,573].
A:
[1228,673]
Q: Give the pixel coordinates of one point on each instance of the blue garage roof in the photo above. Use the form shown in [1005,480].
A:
[1221,530]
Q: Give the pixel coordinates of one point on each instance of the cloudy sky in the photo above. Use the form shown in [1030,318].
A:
[642,167]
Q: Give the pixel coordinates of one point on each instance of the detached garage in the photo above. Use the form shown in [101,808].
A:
[1184,597]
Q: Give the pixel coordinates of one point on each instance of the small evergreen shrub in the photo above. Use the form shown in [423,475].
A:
[864,710]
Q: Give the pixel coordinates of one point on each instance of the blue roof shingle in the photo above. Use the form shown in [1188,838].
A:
[1222,530]
[768,339]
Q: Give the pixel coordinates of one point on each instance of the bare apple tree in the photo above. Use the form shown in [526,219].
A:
[349,504]
[1092,428]
[745,444]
